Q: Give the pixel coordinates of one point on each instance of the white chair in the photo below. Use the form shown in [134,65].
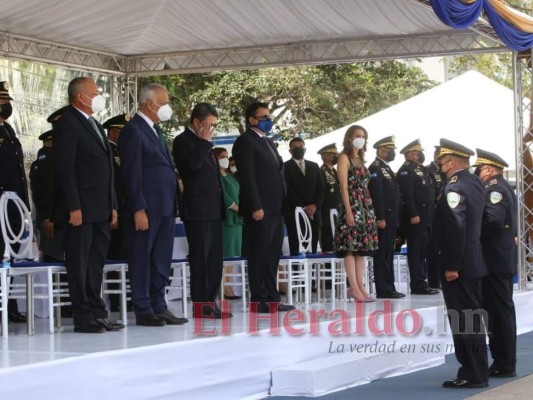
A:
[121,267]
[179,282]
[236,278]
[333,217]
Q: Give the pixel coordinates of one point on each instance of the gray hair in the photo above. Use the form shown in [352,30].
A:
[148,92]
[76,86]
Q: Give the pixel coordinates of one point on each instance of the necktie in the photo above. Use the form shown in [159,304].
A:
[96,130]
[301,164]
[161,136]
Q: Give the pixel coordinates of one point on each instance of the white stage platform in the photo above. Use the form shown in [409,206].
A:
[179,362]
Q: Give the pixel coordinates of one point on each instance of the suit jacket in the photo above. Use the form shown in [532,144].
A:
[385,192]
[303,190]
[83,169]
[499,227]
[417,192]
[148,174]
[261,175]
[12,175]
[458,226]
[200,173]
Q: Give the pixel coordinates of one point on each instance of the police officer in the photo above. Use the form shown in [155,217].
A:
[458,228]
[438,181]
[417,200]
[114,125]
[12,178]
[498,241]
[386,198]
[332,195]
[42,189]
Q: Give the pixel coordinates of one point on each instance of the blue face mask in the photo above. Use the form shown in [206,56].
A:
[265,125]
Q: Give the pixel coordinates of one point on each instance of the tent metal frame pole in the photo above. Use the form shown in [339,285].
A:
[523,91]
[123,94]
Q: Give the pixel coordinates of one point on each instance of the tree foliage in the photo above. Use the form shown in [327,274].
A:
[303,99]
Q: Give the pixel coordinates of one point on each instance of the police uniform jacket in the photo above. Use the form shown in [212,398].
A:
[458,226]
[437,180]
[385,192]
[42,182]
[332,194]
[417,192]
[12,175]
[499,227]
[119,183]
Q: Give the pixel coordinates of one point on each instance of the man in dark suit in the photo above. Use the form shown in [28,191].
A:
[12,178]
[332,194]
[305,188]
[202,209]
[86,203]
[498,240]
[150,183]
[261,205]
[418,209]
[461,266]
[438,181]
[387,201]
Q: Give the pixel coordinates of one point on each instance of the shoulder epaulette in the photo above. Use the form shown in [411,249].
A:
[493,182]
[453,180]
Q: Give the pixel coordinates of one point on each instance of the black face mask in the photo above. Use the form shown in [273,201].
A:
[298,153]
[334,160]
[391,155]
[6,110]
[421,158]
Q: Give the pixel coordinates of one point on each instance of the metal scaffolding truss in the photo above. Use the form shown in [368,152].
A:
[320,52]
[123,94]
[23,48]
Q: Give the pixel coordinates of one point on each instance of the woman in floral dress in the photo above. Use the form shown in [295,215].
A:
[356,232]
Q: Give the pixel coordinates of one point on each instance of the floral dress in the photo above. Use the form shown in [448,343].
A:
[362,238]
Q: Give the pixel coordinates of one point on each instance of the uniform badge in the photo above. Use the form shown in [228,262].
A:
[386,174]
[454,179]
[373,175]
[495,197]
[453,199]
[493,182]
[1,140]
[42,157]
[117,160]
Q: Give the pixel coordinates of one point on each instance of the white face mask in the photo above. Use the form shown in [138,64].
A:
[358,143]
[233,169]
[164,113]
[224,162]
[97,103]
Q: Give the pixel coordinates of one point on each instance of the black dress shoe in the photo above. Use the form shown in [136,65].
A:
[150,320]
[171,319]
[234,297]
[108,325]
[268,308]
[285,307]
[425,291]
[16,317]
[399,294]
[463,384]
[92,327]
[495,373]
[389,295]
[211,313]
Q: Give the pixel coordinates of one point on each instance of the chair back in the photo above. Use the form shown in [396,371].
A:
[303,228]
[333,216]
[24,236]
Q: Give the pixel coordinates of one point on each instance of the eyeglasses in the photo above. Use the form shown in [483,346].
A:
[263,117]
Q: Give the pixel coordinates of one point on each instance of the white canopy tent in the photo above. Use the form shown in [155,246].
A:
[470,109]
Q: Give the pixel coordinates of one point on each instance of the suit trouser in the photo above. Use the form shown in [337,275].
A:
[384,261]
[464,308]
[264,245]
[292,232]
[149,259]
[498,302]
[85,253]
[205,258]
[417,246]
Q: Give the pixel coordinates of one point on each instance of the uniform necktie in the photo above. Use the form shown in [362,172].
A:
[301,164]
[96,130]
[161,136]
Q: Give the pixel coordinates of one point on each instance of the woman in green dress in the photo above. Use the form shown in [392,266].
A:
[232,228]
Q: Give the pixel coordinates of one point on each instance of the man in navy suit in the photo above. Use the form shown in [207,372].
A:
[150,183]
[202,208]
[261,205]
[305,188]
[86,203]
